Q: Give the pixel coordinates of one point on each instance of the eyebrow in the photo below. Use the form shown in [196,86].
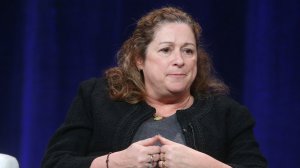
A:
[166,42]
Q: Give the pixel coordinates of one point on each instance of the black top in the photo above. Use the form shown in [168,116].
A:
[96,125]
[167,127]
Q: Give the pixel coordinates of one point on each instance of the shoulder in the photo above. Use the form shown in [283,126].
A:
[232,111]
[226,102]
[225,108]
[93,86]
[221,102]
[96,91]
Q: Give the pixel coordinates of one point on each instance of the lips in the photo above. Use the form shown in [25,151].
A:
[177,74]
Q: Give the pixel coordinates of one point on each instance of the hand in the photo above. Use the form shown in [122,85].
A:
[175,155]
[141,154]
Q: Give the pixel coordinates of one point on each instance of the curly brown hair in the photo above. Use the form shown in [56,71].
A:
[126,82]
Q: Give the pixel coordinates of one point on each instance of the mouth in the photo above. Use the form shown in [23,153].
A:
[177,75]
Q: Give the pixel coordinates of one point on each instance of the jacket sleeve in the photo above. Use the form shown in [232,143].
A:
[243,149]
[68,147]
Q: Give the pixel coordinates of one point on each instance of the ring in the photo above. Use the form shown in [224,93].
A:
[162,156]
[151,159]
[163,165]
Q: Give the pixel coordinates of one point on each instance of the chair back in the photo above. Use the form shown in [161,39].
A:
[7,161]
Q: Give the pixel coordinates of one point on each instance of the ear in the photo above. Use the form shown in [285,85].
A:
[139,63]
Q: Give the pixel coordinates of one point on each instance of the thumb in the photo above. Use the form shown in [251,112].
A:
[148,141]
[165,141]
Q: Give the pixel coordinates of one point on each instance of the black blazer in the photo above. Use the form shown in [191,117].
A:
[96,125]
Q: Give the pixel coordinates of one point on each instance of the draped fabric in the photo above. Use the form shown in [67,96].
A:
[47,47]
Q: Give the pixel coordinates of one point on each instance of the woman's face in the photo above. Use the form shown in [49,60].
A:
[170,65]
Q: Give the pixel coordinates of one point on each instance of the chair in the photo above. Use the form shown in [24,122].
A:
[7,161]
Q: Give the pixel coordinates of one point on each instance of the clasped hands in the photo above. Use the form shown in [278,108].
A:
[146,154]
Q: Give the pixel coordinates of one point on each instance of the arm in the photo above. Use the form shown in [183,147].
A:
[228,127]
[139,154]
[243,149]
[68,147]
[179,156]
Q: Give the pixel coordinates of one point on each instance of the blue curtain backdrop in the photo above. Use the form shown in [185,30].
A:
[48,46]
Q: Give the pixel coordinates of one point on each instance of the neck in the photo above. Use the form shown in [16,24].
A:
[172,99]
[165,107]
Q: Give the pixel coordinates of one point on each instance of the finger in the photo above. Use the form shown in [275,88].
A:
[148,141]
[162,157]
[152,150]
[164,149]
[165,141]
[149,165]
[154,164]
[151,158]
[162,164]
[156,157]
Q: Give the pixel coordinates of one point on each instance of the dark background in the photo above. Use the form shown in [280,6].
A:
[48,46]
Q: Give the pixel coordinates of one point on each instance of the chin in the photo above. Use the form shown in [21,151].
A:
[178,90]
[178,87]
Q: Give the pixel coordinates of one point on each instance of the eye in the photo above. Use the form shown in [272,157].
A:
[188,51]
[165,50]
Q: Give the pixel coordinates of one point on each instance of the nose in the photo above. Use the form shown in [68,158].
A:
[178,59]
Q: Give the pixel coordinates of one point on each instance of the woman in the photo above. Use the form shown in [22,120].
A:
[161,107]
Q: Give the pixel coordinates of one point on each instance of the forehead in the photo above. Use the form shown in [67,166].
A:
[173,32]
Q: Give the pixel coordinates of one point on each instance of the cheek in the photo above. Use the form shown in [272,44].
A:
[193,71]
[153,64]
[193,66]
[153,68]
